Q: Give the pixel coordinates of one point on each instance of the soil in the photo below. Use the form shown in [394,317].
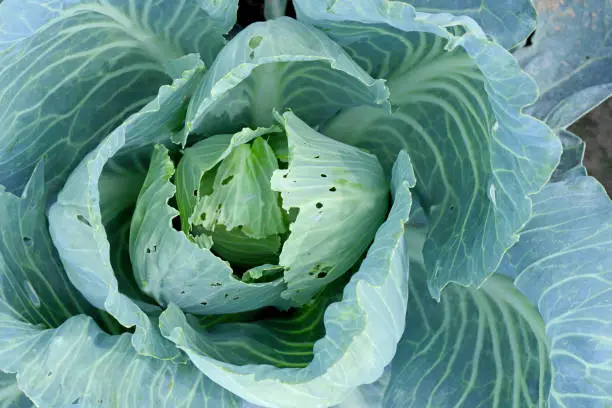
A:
[596,130]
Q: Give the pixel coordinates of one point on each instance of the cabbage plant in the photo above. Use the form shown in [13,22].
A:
[374,204]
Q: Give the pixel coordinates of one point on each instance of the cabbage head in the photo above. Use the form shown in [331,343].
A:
[373,203]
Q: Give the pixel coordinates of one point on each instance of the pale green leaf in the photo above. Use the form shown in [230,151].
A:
[361,330]
[279,64]
[171,268]
[200,160]
[85,252]
[241,196]
[342,197]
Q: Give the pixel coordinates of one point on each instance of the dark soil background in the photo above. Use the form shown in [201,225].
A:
[596,130]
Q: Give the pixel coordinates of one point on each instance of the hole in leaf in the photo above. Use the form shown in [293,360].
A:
[323,175]
[321,275]
[226,180]
[332,189]
[195,193]
[176,223]
[83,220]
[317,156]
[319,205]
[203,303]
[529,41]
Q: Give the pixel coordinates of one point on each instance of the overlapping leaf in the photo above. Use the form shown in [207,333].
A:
[70,72]
[361,331]
[457,109]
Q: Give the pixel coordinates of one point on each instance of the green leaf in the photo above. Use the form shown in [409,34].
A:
[563,264]
[10,394]
[570,59]
[173,269]
[241,196]
[570,165]
[278,64]
[85,252]
[457,110]
[342,197]
[77,364]
[33,285]
[475,348]
[507,22]
[71,72]
[284,340]
[361,330]
[201,159]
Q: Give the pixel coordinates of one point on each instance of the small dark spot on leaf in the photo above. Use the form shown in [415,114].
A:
[285,175]
[50,373]
[219,206]
[317,156]
[321,275]
[203,303]
[182,292]
[235,298]
[319,205]
[195,192]
[83,220]
[323,175]
[215,284]
[226,295]
[332,189]
[148,251]
[27,241]
[452,208]
[227,180]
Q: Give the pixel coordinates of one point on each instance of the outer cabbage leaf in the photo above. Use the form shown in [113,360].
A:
[173,269]
[457,110]
[361,331]
[10,394]
[481,347]
[570,165]
[61,360]
[342,197]
[570,59]
[278,64]
[507,22]
[563,264]
[85,252]
[71,72]
[77,364]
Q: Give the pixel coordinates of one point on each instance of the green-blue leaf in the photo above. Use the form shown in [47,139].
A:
[278,64]
[570,59]
[457,110]
[563,264]
[508,23]
[85,252]
[70,72]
